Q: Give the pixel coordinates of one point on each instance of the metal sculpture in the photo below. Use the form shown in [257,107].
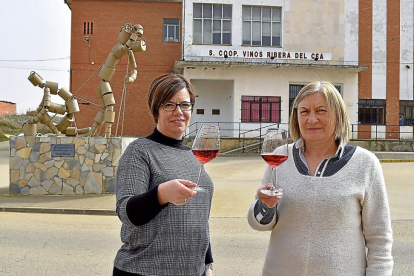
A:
[128,43]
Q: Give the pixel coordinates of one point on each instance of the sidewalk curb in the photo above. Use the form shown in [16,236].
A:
[395,160]
[60,211]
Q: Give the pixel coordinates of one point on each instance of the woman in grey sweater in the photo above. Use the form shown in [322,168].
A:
[333,217]
[165,229]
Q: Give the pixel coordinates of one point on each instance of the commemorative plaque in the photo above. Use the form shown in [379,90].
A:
[63,150]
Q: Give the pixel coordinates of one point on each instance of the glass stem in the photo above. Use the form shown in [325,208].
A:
[273,179]
[199,173]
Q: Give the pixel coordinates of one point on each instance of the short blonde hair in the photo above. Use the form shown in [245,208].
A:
[335,104]
[163,88]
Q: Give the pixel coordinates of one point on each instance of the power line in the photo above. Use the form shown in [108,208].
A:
[26,60]
[33,68]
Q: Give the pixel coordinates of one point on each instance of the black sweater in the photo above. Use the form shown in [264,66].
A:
[148,200]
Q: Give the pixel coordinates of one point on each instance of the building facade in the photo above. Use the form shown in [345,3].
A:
[7,108]
[249,59]
[386,88]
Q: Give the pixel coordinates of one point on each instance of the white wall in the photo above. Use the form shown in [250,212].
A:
[379,49]
[378,132]
[406,132]
[213,94]
[351,32]
[406,49]
[321,25]
[275,82]
[191,50]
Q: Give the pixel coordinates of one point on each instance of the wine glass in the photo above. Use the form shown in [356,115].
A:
[274,152]
[206,147]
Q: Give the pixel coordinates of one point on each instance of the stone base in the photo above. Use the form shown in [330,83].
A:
[33,170]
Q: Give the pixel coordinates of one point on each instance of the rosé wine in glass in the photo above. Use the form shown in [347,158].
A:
[274,160]
[274,152]
[205,156]
[206,147]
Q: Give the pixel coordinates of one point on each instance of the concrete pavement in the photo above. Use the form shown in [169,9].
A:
[236,180]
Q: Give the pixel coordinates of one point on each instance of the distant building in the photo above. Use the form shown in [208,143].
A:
[7,108]
[249,59]
[385,92]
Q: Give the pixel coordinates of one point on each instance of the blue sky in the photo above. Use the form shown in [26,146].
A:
[30,31]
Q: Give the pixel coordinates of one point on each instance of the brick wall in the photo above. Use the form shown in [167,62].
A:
[365,59]
[7,108]
[393,68]
[108,17]
[393,63]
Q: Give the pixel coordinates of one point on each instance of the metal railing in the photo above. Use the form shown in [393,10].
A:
[382,133]
[245,132]
[242,131]
[262,131]
[234,129]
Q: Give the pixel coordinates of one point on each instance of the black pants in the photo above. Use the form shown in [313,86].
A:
[118,272]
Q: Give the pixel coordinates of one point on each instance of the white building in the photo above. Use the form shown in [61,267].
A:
[249,59]
[238,53]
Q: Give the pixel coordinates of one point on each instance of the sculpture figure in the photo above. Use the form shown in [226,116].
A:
[128,43]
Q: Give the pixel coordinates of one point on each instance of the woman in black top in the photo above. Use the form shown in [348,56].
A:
[165,228]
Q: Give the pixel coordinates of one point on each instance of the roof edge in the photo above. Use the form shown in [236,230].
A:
[179,65]
[69,3]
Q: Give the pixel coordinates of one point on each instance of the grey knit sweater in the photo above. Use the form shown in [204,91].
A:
[175,242]
[337,225]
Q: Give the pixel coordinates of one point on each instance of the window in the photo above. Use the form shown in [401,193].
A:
[294,91]
[215,112]
[260,109]
[407,113]
[262,26]
[200,111]
[171,30]
[371,112]
[87,28]
[339,88]
[212,24]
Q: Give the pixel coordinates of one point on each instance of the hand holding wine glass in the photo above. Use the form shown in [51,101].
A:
[206,147]
[274,152]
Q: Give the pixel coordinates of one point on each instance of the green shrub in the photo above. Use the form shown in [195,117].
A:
[13,125]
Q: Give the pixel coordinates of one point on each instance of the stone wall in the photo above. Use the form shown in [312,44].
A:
[92,170]
[385,145]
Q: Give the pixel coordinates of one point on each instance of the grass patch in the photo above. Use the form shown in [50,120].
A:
[3,138]
[13,125]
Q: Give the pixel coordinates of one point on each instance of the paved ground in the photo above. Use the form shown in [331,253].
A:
[236,180]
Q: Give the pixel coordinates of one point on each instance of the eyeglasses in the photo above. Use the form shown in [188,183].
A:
[170,107]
